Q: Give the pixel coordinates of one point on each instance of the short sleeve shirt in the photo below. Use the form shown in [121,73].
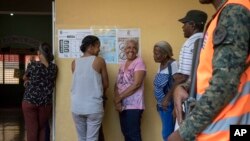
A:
[186,54]
[41,81]
[125,79]
[161,81]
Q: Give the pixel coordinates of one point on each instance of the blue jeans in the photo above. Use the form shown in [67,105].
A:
[130,121]
[167,121]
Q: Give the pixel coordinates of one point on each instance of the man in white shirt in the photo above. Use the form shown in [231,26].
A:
[193,26]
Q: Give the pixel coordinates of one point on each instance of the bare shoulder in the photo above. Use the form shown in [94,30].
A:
[99,64]
[100,60]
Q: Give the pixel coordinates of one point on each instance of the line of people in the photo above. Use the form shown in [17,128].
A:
[129,86]
[222,88]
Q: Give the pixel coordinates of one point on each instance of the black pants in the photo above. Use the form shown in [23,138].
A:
[130,121]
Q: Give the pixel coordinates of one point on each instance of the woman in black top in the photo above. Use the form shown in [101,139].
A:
[39,80]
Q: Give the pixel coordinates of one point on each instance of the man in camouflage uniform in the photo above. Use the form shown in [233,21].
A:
[231,48]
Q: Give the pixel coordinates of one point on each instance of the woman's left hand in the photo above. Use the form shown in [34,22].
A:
[118,107]
[117,99]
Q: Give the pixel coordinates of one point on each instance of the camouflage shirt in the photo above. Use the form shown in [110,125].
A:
[228,64]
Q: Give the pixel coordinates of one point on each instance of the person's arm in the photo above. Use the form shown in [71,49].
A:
[104,74]
[118,106]
[138,80]
[180,94]
[26,74]
[228,64]
[25,77]
[73,66]
[178,79]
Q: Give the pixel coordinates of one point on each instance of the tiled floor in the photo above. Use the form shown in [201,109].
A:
[11,125]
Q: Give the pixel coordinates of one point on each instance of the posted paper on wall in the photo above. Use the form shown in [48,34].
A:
[112,42]
[70,42]
[122,36]
[108,44]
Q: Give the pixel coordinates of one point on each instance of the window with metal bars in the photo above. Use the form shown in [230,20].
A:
[9,69]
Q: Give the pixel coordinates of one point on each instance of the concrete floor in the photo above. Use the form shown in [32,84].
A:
[11,125]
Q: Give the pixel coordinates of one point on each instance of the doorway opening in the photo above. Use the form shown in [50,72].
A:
[24,25]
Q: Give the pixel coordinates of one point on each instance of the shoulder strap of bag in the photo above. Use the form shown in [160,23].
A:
[170,73]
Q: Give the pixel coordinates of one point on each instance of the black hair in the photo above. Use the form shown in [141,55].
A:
[87,41]
[46,50]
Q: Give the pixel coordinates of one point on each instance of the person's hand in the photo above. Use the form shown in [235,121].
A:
[179,95]
[175,136]
[165,101]
[118,107]
[164,104]
[117,98]
[25,83]
[25,78]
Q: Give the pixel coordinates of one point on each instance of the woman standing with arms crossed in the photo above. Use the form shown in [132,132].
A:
[90,81]
[129,92]
[39,80]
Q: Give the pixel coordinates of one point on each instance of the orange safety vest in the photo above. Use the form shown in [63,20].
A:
[237,111]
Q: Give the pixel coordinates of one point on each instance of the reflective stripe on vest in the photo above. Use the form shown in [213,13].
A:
[237,111]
